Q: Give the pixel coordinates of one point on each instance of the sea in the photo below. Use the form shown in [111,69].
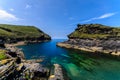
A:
[78,65]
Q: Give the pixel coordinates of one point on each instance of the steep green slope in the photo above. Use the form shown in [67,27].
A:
[11,33]
[93,31]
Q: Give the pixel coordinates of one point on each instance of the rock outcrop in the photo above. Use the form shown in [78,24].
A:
[94,38]
[95,31]
[16,67]
[13,65]
[59,73]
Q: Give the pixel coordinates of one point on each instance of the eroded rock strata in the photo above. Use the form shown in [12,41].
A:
[94,38]
[13,65]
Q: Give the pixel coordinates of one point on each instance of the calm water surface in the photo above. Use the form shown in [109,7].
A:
[78,64]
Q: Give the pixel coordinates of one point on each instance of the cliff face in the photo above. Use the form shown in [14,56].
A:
[94,31]
[15,33]
[94,38]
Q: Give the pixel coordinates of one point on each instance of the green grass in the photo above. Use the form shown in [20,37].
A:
[21,32]
[2,54]
[94,31]
[5,33]
[85,35]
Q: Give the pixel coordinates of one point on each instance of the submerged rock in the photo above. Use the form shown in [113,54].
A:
[58,74]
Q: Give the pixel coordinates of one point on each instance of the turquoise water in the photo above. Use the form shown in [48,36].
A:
[78,64]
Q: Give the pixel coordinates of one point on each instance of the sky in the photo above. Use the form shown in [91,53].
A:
[58,18]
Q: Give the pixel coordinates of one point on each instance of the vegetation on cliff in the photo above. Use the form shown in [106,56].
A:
[94,31]
[2,54]
[13,33]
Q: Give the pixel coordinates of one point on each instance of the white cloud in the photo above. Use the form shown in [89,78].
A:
[11,9]
[28,6]
[101,17]
[4,15]
[106,15]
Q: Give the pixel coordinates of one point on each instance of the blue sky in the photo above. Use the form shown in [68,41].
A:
[58,18]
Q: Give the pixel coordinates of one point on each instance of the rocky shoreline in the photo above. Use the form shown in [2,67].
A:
[16,67]
[20,43]
[95,38]
[110,46]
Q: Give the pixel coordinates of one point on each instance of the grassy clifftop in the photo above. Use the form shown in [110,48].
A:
[94,31]
[10,33]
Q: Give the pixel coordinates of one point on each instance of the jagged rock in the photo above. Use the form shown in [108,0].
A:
[58,73]
[94,38]
[95,31]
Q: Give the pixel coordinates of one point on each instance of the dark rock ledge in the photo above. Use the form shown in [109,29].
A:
[110,47]
[16,67]
[95,38]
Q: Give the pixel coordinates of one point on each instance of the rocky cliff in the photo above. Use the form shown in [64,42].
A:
[95,31]
[94,38]
[16,33]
